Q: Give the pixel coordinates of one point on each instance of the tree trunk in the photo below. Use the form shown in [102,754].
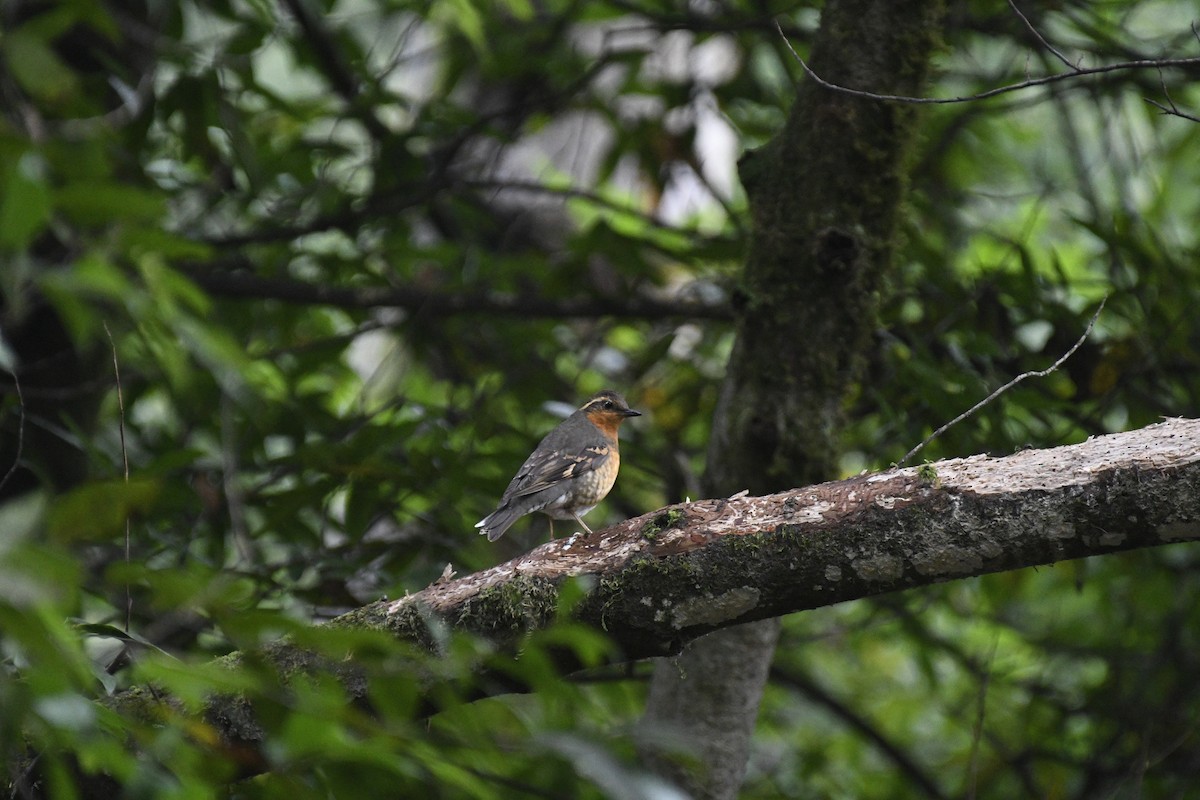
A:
[703,675]
[824,196]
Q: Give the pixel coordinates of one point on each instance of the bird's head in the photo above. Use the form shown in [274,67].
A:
[607,410]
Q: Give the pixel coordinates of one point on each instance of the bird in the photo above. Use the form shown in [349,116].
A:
[570,471]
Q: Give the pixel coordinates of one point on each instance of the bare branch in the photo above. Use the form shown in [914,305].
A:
[977,728]
[235,498]
[1039,37]
[125,463]
[345,219]
[385,205]
[573,192]
[1171,109]
[1041,373]
[249,286]
[1152,63]
[335,67]
[20,429]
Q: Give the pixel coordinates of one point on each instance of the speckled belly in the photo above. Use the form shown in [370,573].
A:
[586,491]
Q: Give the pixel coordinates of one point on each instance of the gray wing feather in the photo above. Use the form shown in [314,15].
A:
[539,480]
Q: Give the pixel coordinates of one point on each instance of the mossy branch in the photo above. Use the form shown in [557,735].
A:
[677,573]
[662,579]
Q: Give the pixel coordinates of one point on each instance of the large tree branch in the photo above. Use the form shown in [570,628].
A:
[662,579]
[665,578]
[670,576]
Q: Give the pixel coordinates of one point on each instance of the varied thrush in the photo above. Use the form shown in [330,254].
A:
[569,472]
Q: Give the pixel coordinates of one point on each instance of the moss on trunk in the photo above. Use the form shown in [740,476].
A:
[825,195]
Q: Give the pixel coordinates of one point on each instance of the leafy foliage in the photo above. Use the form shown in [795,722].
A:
[345,254]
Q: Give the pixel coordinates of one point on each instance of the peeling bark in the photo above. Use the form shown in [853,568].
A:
[667,577]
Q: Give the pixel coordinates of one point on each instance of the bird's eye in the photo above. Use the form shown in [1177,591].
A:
[608,404]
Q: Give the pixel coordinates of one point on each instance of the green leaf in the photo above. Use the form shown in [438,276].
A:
[25,206]
[97,511]
[70,711]
[19,519]
[35,577]
[37,69]
[521,9]
[465,17]
[105,631]
[169,288]
[94,202]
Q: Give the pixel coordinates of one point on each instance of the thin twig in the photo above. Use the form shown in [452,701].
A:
[569,192]
[1172,109]
[20,429]
[1039,37]
[1012,87]
[1041,373]
[234,498]
[977,731]
[125,463]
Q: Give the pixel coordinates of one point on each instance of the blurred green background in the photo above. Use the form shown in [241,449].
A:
[351,260]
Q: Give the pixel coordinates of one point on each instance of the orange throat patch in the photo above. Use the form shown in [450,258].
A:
[607,421]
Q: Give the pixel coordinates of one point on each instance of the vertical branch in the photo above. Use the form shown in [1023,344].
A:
[1041,39]
[20,429]
[977,732]
[333,63]
[125,464]
[233,492]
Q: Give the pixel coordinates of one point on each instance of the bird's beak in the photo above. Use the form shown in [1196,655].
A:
[629,412]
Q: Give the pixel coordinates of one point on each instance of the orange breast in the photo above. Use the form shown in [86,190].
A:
[591,487]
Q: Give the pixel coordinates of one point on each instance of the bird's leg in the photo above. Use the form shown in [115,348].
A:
[550,520]
[581,522]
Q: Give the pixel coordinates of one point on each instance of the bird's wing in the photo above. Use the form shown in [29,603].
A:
[547,468]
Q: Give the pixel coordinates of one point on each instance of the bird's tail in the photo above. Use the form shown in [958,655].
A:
[496,523]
